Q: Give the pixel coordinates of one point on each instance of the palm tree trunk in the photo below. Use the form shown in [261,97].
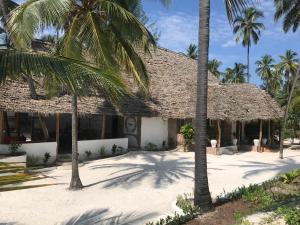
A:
[286,112]
[75,180]
[202,196]
[248,63]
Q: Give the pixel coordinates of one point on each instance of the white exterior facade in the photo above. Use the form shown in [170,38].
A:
[154,130]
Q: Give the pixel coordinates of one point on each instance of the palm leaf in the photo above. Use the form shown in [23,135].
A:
[73,75]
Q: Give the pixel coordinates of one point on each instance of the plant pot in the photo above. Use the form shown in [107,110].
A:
[264,141]
[234,141]
[256,142]
[213,143]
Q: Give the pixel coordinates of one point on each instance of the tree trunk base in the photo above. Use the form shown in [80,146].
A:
[75,184]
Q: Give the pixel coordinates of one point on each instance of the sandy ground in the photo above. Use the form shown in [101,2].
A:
[133,189]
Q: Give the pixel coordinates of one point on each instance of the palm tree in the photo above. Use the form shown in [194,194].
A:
[248,29]
[109,36]
[236,74]
[266,70]
[290,10]
[213,67]
[192,51]
[288,66]
[202,196]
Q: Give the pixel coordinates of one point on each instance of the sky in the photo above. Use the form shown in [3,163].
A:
[178,24]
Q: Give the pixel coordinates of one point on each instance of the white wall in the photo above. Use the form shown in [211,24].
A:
[95,145]
[154,130]
[36,150]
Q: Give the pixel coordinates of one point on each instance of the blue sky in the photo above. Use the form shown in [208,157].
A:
[178,25]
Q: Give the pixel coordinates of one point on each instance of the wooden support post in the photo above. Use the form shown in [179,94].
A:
[260,135]
[103,127]
[2,126]
[219,133]
[57,133]
[17,123]
[269,132]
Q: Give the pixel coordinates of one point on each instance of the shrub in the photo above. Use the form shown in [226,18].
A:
[188,133]
[150,147]
[14,149]
[291,215]
[46,158]
[185,202]
[32,160]
[88,154]
[114,149]
[289,177]
[173,220]
[102,152]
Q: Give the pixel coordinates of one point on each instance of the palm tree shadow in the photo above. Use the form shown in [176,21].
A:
[100,217]
[279,167]
[162,171]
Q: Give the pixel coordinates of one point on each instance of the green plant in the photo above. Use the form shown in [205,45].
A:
[120,150]
[291,215]
[188,133]
[114,149]
[14,149]
[289,177]
[240,220]
[173,220]
[32,160]
[185,202]
[150,147]
[88,154]
[102,152]
[46,158]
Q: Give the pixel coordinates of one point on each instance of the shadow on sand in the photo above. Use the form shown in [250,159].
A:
[101,217]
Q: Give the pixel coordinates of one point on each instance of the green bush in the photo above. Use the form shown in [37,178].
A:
[32,160]
[102,152]
[291,215]
[46,158]
[185,202]
[88,154]
[173,220]
[150,147]
[188,133]
[289,177]
[14,149]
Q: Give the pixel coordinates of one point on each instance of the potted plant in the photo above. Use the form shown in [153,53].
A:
[235,140]
[213,143]
[256,142]
[188,133]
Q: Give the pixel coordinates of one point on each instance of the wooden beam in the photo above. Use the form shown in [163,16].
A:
[57,133]
[103,127]
[260,135]
[269,132]
[2,127]
[219,134]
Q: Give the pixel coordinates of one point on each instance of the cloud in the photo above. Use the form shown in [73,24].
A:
[230,43]
[177,30]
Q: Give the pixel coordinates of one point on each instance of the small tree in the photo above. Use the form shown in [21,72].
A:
[188,133]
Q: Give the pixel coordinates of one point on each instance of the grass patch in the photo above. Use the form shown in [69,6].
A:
[17,178]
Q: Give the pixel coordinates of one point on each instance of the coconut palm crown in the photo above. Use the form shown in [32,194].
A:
[247,29]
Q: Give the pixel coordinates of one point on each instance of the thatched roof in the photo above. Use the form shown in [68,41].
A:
[172,88]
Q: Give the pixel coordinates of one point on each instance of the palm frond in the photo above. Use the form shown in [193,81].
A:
[73,75]
[28,18]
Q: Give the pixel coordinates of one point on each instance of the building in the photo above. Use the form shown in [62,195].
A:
[137,121]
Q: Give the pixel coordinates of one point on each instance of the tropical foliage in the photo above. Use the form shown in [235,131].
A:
[214,67]
[248,30]
[192,51]
[237,74]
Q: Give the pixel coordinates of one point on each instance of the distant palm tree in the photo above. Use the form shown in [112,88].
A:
[267,72]
[236,74]
[213,67]
[288,67]
[248,29]
[290,10]
[192,51]
[202,196]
